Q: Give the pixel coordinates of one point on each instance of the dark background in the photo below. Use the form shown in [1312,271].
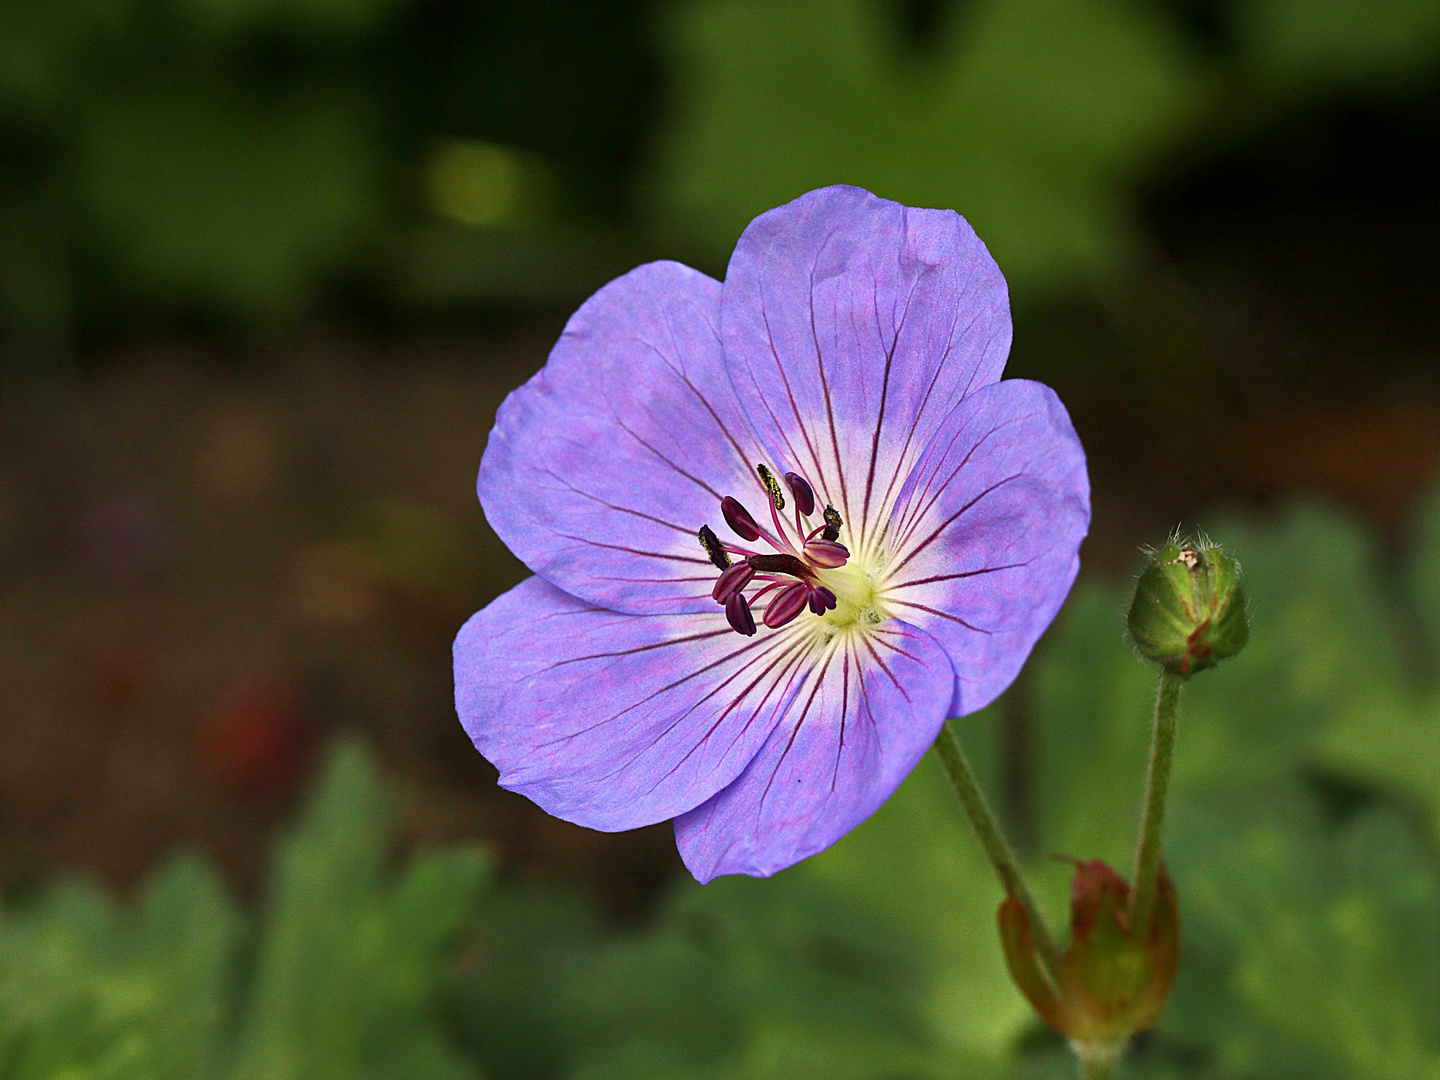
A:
[267,267]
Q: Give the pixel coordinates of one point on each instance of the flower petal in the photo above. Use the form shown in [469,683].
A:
[864,715]
[602,467]
[852,326]
[985,536]
[614,721]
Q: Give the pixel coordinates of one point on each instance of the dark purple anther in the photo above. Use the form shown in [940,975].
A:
[779,564]
[732,581]
[827,553]
[822,600]
[787,604]
[739,519]
[803,492]
[737,614]
[714,550]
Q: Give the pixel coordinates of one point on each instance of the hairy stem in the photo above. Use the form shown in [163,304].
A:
[1157,787]
[997,848]
[1098,1061]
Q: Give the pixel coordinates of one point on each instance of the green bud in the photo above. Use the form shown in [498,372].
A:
[1189,610]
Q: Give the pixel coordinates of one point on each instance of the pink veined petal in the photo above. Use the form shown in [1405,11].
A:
[614,721]
[859,723]
[602,467]
[852,326]
[985,536]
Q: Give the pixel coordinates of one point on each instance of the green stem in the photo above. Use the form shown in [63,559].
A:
[997,848]
[1157,787]
[1098,1061]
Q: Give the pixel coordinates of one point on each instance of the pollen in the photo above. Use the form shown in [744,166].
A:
[713,548]
[771,485]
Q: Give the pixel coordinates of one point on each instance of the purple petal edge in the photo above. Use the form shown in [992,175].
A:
[603,466]
[610,720]
[985,536]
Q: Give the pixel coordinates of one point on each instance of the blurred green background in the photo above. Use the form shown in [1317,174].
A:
[267,267]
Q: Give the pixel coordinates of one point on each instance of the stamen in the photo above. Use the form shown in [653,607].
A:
[737,614]
[788,604]
[827,553]
[787,580]
[803,492]
[713,548]
[739,519]
[772,486]
[779,564]
[732,581]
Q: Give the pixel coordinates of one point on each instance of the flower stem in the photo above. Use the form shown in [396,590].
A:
[997,848]
[1157,787]
[1098,1061]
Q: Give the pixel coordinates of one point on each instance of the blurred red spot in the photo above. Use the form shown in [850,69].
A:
[255,738]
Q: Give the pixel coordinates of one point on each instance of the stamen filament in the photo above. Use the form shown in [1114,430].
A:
[776,584]
[736,550]
[780,528]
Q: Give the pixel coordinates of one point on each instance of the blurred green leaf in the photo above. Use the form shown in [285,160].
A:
[1029,120]
[747,978]
[46,51]
[918,864]
[1310,42]
[1424,575]
[87,991]
[1385,730]
[320,17]
[209,197]
[347,976]
[512,995]
[1335,938]
[1092,703]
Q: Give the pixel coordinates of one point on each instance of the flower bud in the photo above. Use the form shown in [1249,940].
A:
[1189,610]
[1113,981]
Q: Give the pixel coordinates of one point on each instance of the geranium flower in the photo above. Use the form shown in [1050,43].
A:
[781,528]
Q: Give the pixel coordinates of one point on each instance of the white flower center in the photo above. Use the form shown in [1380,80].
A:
[859,588]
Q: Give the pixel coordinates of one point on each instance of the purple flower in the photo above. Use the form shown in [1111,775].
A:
[884,529]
